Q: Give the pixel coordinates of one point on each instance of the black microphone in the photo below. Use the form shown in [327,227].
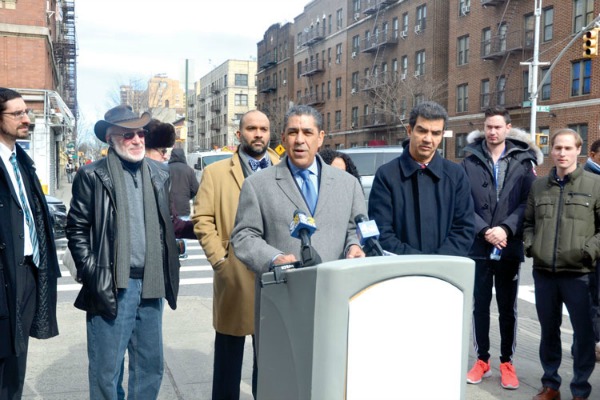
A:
[367,235]
[303,227]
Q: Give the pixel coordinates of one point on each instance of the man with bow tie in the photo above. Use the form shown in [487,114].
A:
[233,284]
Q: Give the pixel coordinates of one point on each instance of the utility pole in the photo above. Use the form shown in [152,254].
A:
[534,68]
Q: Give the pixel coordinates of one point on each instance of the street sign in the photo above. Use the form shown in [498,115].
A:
[280,150]
[543,108]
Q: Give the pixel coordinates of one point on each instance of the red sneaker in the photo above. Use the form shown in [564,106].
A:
[509,378]
[479,371]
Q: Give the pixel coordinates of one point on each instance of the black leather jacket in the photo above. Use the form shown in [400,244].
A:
[91,230]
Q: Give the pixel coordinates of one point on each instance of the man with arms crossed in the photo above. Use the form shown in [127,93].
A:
[562,234]
[233,284]
[501,171]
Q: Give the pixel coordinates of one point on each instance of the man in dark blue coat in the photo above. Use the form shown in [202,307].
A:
[422,202]
[28,264]
[501,171]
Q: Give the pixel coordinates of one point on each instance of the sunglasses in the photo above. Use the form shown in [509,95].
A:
[130,135]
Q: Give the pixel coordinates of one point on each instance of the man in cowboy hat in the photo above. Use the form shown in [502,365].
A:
[121,238]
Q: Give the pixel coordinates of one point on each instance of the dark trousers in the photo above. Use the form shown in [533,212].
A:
[552,290]
[504,275]
[595,286]
[227,369]
[12,368]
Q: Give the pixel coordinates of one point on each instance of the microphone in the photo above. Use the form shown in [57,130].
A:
[302,227]
[368,235]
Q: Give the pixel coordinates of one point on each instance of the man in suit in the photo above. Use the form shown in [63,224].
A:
[28,264]
[302,181]
[422,202]
[233,284]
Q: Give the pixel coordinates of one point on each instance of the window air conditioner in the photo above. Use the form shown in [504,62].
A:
[353,54]
[356,16]
[417,73]
[354,90]
[417,29]
[403,76]
[465,9]
[404,34]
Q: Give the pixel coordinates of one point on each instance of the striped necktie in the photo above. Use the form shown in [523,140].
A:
[26,211]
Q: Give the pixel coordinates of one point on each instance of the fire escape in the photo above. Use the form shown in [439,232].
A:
[506,47]
[65,52]
[377,85]
[313,65]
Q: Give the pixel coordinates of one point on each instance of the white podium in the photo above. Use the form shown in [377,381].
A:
[372,328]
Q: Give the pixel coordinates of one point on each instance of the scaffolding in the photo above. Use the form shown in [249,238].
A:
[65,53]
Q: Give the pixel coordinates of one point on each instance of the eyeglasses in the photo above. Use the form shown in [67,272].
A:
[19,114]
[162,151]
[130,135]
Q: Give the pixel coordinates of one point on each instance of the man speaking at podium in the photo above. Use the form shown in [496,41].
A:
[302,181]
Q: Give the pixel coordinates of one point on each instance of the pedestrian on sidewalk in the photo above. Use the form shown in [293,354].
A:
[28,264]
[184,184]
[501,170]
[70,170]
[593,165]
[562,234]
[123,198]
[233,288]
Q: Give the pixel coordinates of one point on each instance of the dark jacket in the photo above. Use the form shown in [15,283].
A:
[184,184]
[508,211]
[11,257]
[561,223]
[91,230]
[427,211]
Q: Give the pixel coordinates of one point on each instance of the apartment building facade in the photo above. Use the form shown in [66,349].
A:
[38,53]
[219,100]
[365,63]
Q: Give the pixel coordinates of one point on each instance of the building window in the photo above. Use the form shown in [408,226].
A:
[328,90]
[582,129]
[355,82]
[338,53]
[299,69]
[404,65]
[502,36]
[459,145]
[463,50]
[354,120]
[241,99]
[420,63]
[328,121]
[422,17]
[583,13]
[581,74]
[462,98]
[395,27]
[338,87]
[329,23]
[525,85]
[338,120]
[356,6]
[356,44]
[546,87]
[529,27]
[547,24]
[405,22]
[501,91]
[338,17]
[486,41]
[329,55]
[299,40]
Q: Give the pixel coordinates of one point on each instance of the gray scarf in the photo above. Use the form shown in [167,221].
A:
[154,283]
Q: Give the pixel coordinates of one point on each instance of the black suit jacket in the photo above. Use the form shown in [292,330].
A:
[12,236]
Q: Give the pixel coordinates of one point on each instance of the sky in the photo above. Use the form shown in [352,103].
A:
[128,41]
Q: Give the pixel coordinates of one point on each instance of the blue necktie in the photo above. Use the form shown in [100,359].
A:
[26,211]
[255,164]
[308,190]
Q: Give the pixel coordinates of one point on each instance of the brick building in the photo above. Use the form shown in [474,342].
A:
[38,53]
[365,63]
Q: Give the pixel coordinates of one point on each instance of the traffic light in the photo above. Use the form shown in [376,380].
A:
[590,43]
[541,139]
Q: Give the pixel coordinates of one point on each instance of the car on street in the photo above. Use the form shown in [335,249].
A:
[58,216]
[368,160]
[201,160]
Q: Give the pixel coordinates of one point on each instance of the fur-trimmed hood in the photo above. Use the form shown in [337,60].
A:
[518,136]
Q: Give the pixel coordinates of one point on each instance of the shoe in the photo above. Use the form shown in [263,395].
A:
[480,370]
[508,375]
[547,394]
[597,352]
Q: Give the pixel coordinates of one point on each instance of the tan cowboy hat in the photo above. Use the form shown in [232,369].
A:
[122,116]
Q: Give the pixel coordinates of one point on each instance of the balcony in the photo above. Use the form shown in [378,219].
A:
[312,68]
[215,107]
[201,114]
[267,87]
[215,89]
[267,61]
[312,100]
[509,98]
[375,42]
[500,45]
[377,81]
[215,126]
[493,3]
[376,119]
[311,37]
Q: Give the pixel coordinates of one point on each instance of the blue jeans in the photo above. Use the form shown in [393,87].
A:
[137,328]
